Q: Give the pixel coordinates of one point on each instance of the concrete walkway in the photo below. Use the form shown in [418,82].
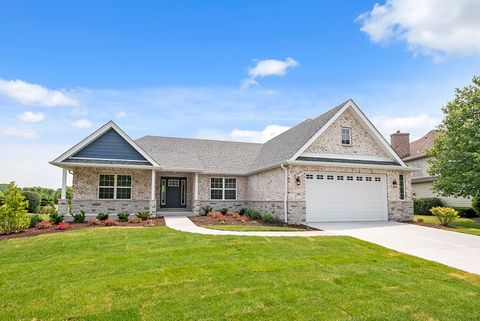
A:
[458,250]
[182,223]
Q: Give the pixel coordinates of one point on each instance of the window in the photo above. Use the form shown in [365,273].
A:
[339,178]
[368,179]
[223,188]
[182,193]
[346,136]
[319,176]
[359,178]
[115,187]
[349,178]
[378,179]
[329,177]
[309,176]
[402,187]
[163,192]
[173,183]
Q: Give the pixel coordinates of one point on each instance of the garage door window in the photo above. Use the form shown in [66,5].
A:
[359,178]
[349,178]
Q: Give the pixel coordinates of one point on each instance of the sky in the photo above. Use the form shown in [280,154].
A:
[230,70]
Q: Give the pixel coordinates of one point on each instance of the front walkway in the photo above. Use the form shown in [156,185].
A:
[458,250]
[182,223]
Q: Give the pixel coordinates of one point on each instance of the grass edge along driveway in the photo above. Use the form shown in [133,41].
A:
[161,274]
[461,224]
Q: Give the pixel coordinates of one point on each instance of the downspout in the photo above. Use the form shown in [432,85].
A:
[285,198]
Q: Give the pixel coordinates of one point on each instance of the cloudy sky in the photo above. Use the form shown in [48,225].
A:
[212,69]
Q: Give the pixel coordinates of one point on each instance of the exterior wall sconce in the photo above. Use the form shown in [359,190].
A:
[297,180]
[394,183]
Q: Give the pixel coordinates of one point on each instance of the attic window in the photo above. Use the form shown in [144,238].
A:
[346,136]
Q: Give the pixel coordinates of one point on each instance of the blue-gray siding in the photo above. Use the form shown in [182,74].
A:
[110,146]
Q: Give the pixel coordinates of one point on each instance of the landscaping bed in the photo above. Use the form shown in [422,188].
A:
[462,224]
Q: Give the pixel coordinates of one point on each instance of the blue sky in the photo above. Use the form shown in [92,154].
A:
[175,68]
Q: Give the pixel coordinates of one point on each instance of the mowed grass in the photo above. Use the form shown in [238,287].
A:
[461,224]
[251,228]
[160,274]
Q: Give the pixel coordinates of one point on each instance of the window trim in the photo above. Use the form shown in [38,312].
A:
[401,187]
[223,188]
[349,136]
[115,187]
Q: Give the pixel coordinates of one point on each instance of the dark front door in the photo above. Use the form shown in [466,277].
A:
[173,193]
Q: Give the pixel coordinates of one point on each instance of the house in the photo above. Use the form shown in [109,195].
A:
[335,167]
[415,155]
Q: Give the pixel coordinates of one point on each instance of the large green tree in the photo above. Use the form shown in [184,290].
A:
[455,156]
[13,214]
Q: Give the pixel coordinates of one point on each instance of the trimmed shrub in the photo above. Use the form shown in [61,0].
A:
[33,199]
[465,211]
[109,222]
[255,215]
[476,204]
[267,217]
[242,211]
[102,216]
[34,220]
[43,225]
[13,214]
[420,219]
[56,218]
[422,206]
[63,226]
[206,210]
[224,211]
[143,215]
[79,217]
[445,215]
[123,216]
[48,209]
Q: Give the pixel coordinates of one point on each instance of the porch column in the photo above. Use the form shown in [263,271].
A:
[196,187]
[63,202]
[153,184]
[153,201]
[196,205]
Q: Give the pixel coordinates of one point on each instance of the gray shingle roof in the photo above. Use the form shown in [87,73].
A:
[226,157]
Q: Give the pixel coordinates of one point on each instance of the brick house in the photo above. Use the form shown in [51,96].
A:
[335,167]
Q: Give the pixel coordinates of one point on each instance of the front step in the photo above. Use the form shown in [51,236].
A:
[174,212]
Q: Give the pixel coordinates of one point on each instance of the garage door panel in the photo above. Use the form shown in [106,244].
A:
[337,200]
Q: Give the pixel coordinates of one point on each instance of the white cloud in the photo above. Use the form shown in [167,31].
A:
[267,67]
[429,27]
[82,123]
[417,125]
[33,94]
[31,117]
[257,136]
[121,114]
[18,132]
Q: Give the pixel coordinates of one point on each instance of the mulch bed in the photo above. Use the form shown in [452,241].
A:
[230,219]
[440,227]
[75,226]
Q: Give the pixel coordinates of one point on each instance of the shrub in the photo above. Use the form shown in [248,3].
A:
[13,214]
[267,218]
[422,206]
[2,198]
[123,216]
[465,211]
[48,209]
[135,221]
[109,222]
[63,226]
[445,215]
[43,225]
[476,204]
[224,211]
[143,215]
[242,218]
[255,215]
[56,218]
[420,219]
[206,210]
[102,216]
[79,217]
[33,199]
[34,220]
[243,211]
[94,221]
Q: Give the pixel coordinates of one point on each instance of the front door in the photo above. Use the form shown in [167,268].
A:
[173,192]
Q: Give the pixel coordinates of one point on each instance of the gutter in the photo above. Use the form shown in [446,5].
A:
[285,198]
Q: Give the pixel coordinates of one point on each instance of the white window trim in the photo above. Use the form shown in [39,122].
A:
[223,189]
[115,187]
[349,136]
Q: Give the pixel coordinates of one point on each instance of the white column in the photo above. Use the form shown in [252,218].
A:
[153,184]
[196,187]
[64,184]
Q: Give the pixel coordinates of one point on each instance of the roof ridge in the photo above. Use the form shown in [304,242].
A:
[203,139]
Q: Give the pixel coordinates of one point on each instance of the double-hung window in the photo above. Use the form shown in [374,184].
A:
[223,188]
[346,136]
[402,186]
[115,187]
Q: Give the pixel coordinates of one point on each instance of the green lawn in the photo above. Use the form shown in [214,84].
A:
[251,228]
[160,274]
[463,225]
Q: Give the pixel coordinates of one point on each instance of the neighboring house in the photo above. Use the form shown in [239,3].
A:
[336,167]
[415,155]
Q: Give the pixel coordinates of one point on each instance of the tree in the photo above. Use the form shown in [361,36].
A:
[13,214]
[455,156]
[2,198]
[58,194]
[33,199]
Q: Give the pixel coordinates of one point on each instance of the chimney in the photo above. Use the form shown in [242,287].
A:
[401,143]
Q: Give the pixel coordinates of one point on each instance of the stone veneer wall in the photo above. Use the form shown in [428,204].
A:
[330,141]
[110,206]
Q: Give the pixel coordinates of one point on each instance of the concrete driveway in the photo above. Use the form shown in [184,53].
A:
[458,250]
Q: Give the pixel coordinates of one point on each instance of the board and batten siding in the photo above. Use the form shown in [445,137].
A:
[110,146]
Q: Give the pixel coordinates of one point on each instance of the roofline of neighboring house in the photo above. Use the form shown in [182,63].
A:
[410,158]
[427,179]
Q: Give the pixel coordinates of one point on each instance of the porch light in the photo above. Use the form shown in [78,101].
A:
[297,180]
[394,183]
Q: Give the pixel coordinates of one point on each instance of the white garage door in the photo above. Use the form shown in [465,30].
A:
[337,197]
